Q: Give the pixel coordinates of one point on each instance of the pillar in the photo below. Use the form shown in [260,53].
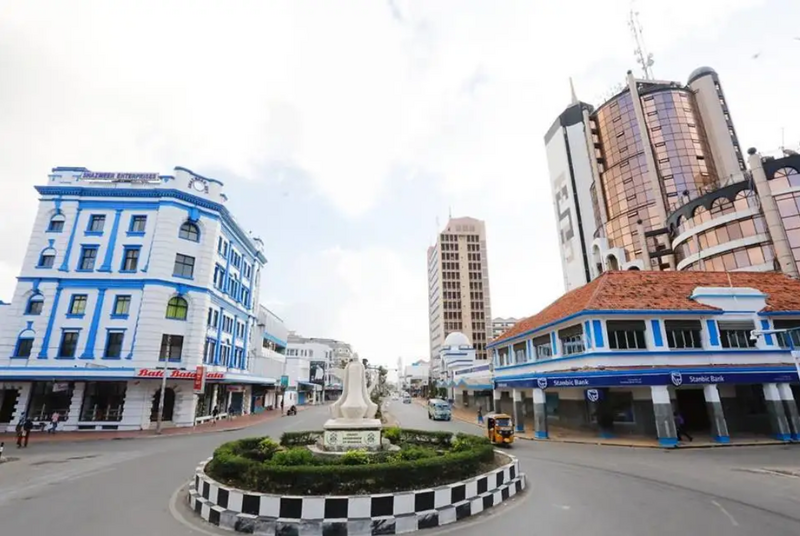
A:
[519,423]
[719,427]
[466,398]
[662,410]
[497,395]
[777,416]
[539,414]
[790,406]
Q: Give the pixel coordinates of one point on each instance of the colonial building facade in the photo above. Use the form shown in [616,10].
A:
[628,351]
[126,276]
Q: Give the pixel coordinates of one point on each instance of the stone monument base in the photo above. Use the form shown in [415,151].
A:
[352,434]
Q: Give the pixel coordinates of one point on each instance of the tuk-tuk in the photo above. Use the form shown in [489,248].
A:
[500,429]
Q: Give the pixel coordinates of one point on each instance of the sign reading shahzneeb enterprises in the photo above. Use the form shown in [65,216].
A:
[120,177]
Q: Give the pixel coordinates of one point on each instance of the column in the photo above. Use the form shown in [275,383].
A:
[496,405]
[539,414]
[790,406]
[662,410]
[518,416]
[466,398]
[719,428]
[75,407]
[777,416]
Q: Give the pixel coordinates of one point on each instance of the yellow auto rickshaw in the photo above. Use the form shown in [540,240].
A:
[500,429]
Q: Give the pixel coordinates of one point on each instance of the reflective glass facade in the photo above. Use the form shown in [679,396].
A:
[789,205]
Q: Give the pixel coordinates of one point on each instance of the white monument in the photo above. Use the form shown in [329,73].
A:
[353,424]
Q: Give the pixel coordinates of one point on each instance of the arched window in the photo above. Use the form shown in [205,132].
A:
[189,231]
[177,308]
[47,258]
[56,224]
[35,305]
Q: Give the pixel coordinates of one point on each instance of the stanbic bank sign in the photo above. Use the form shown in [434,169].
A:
[141,178]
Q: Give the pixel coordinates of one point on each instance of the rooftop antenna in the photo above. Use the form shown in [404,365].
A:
[643,58]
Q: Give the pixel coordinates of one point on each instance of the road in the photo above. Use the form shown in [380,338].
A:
[124,488]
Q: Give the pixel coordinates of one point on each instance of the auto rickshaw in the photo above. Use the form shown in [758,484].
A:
[500,429]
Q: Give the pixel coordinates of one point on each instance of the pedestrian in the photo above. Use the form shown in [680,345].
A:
[282,406]
[20,432]
[22,438]
[480,415]
[214,415]
[680,426]
[54,420]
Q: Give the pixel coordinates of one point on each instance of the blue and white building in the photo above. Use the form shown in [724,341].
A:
[125,274]
[624,353]
[469,382]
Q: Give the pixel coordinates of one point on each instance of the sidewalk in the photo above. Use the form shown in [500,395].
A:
[225,425]
[563,435]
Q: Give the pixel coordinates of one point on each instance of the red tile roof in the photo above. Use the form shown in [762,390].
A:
[651,290]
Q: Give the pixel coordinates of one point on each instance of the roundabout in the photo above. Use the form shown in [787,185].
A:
[354,477]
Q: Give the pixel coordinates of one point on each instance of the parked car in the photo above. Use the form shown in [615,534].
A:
[406,399]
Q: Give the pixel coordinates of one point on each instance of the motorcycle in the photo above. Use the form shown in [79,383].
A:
[292,411]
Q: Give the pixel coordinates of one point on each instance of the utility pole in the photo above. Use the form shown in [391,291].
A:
[163,387]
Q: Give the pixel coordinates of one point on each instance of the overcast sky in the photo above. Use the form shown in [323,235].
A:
[343,130]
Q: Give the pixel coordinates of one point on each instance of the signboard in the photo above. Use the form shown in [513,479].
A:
[60,387]
[120,177]
[236,388]
[175,374]
[200,380]
[675,378]
[284,381]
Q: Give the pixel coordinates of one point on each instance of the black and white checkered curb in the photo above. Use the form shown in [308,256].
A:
[362,515]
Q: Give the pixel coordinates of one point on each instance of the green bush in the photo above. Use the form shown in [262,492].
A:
[392,434]
[268,447]
[427,459]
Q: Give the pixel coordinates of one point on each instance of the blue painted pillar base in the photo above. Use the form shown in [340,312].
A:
[540,434]
[670,442]
[722,439]
[783,437]
[606,435]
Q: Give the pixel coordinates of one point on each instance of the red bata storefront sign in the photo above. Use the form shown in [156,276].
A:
[178,374]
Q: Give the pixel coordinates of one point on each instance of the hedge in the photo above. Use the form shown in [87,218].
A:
[232,466]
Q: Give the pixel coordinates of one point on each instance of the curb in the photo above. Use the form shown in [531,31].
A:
[385,513]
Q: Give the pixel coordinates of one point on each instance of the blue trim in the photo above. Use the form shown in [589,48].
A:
[767,336]
[93,233]
[606,435]
[65,263]
[722,439]
[75,315]
[598,312]
[597,329]
[88,351]
[159,193]
[553,343]
[125,250]
[587,330]
[50,321]
[713,332]
[120,317]
[136,325]
[276,340]
[783,437]
[779,313]
[112,242]
[657,338]
[670,442]
[519,427]
[218,347]
[540,434]
[244,348]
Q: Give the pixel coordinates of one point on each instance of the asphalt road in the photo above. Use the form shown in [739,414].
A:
[124,488]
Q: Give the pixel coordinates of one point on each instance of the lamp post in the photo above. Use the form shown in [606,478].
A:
[756,333]
[160,417]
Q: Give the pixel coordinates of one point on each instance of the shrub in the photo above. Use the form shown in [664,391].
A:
[294,456]
[425,437]
[392,434]
[299,439]
[415,452]
[268,447]
[355,457]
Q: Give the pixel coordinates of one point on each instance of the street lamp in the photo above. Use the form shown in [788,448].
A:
[756,333]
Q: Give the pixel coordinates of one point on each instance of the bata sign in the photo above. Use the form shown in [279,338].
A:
[120,177]
[177,374]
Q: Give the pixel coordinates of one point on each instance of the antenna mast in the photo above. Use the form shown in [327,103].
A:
[643,58]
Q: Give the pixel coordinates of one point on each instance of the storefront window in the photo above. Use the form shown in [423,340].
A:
[551,405]
[49,397]
[103,401]
[621,406]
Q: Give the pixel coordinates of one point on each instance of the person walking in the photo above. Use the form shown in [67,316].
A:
[214,415]
[54,420]
[480,415]
[24,432]
[20,432]
[680,427]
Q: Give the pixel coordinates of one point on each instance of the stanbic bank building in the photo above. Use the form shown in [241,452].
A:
[627,352]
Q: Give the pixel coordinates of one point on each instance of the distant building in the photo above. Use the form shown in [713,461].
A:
[501,325]
[314,366]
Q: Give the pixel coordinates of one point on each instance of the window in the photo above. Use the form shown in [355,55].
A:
[122,306]
[626,334]
[210,316]
[189,231]
[138,224]
[184,266]
[130,259]
[96,223]
[571,340]
[736,334]
[683,334]
[69,344]
[88,258]
[77,307]
[35,305]
[24,347]
[783,338]
[215,321]
[56,224]
[47,259]
[542,349]
[171,348]
[219,276]
[177,308]
[209,351]
[114,344]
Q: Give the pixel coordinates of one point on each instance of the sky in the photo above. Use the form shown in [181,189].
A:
[346,132]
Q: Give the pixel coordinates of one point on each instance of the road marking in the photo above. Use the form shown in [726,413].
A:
[728,514]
